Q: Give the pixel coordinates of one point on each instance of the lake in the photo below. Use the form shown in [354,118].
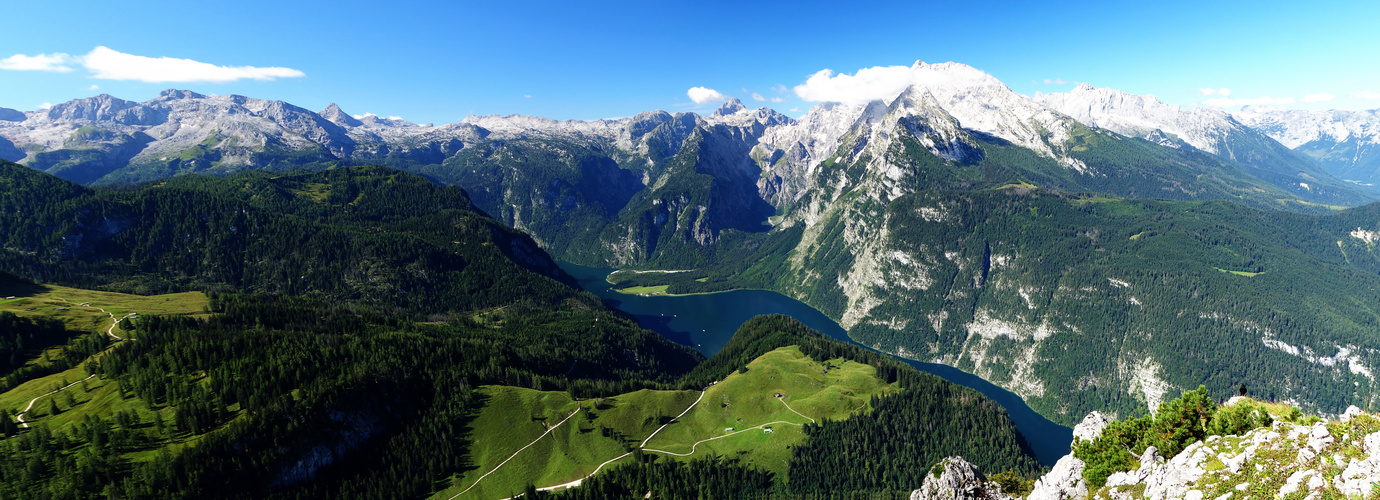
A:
[707,321]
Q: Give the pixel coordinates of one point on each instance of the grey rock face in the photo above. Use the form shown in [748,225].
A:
[103,107]
[12,115]
[9,152]
[730,107]
[957,480]
[338,117]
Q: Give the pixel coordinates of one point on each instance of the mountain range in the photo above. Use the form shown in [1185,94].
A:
[1072,247]
[105,139]
[1343,142]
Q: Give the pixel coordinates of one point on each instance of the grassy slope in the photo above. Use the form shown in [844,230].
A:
[63,303]
[97,397]
[514,417]
[834,389]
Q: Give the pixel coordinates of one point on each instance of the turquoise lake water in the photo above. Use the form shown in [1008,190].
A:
[706,322]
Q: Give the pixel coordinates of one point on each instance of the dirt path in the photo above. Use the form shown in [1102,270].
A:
[693,446]
[782,399]
[577,482]
[510,457]
[19,418]
[696,444]
[682,414]
[113,320]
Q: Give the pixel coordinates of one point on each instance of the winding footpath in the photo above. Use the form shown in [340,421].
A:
[693,446]
[668,422]
[19,418]
[697,443]
[510,457]
[782,399]
[577,482]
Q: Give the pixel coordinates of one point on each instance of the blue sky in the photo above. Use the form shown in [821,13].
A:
[439,61]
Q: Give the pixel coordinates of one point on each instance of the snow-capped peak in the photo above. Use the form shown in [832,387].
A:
[950,74]
[1296,127]
[1140,115]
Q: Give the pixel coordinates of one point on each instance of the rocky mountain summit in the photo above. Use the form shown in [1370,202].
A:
[104,139]
[1308,458]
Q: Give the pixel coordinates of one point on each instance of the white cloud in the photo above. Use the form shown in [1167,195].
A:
[886,82]
[527,96]
[1224,92]
[109,64]
[94,87]
[46,105]
[794,110]
[1223,102]
[43,62]
[868,84]
[702,95]
[758,97]
[1318,97]
[779,88]
[1367,94]
[1055,81]
[777,99]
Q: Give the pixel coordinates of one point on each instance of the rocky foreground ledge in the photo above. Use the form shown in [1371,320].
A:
[1293,460]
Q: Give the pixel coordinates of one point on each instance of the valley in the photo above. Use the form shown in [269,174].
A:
[228,296]
[708,321]
[244,390]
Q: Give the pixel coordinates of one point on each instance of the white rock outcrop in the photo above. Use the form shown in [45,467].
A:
[958,480]
[1308,459]
[1092,425]
[1065,479]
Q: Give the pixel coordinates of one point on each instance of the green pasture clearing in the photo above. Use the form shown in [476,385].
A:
[734,408]
[63,303]
[643,290]
[1240,273]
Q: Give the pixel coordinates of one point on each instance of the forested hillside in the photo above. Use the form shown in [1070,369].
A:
[1083,302]
[350,320]
[872,451]
[368,235]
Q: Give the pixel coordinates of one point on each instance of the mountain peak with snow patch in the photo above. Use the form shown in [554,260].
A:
[733,106]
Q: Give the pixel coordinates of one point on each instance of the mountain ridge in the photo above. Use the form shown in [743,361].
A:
[104,139]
